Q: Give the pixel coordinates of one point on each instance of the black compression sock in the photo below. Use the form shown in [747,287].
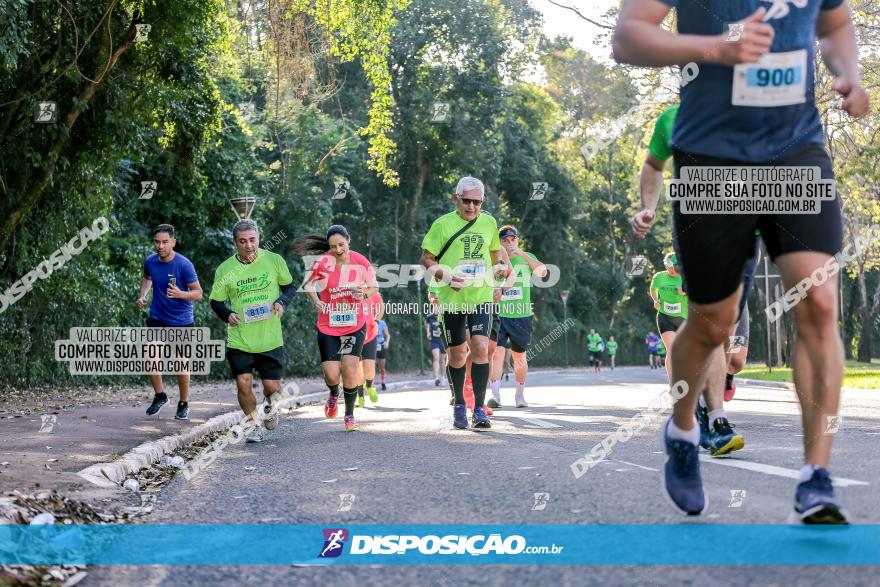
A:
[350,398]
[369,383]
[334,390]
[479,377]
[456,377]
[360,390]
[729,380]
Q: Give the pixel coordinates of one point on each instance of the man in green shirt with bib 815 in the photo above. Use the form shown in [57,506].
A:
[251,290]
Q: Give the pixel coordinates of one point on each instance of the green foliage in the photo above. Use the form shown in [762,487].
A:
[341,90]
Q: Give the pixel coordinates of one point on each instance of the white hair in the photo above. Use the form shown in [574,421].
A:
[469,183]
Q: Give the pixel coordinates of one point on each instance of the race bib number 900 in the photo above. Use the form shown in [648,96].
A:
[777,79]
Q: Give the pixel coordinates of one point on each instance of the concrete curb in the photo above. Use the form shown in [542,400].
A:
[762,383]
[112,474]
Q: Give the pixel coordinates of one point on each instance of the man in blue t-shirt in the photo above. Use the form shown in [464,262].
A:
[383,339]
[175,287]
[749,100]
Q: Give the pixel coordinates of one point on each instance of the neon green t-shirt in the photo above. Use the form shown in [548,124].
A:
[251,289]
[516,302]
[469,254]
[593,342]
[611,345]
[672,301]
[659,145]
[661,349]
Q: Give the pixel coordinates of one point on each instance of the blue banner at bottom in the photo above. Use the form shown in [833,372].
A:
[213,544]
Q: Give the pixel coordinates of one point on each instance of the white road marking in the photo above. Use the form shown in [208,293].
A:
[639,466]
[537,422]
[773,470]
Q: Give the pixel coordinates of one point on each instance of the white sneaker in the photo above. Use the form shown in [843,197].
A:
[270,416]
[258,435]
[521,400]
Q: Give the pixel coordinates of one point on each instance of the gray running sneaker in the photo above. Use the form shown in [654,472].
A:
[270,417]
[258,435]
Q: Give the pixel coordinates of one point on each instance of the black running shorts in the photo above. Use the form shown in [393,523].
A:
[668,323]
[518,331]
[457,325]
[333,348]
[270,365]
[714,248]
[369,351]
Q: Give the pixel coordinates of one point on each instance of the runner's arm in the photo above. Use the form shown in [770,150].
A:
[193,295]
[287,292]
[428,260]
[536,266]
[656,298]
[639,39]
[500,256]
[222,310]
[650,182]
[146,284]
[837,41]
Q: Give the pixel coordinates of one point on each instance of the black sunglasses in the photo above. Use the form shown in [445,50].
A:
[475,203]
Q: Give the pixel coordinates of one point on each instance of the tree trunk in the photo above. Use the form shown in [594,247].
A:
[418,189]
[864,352]
[16,210]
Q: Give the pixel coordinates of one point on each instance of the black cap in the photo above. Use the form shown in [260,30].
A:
[508,232]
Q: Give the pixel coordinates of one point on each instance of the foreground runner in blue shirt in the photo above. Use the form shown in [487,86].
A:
[752,103]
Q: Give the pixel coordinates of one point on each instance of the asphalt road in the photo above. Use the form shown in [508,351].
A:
[413,468]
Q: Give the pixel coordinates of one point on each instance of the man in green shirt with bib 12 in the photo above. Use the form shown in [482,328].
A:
[462,250]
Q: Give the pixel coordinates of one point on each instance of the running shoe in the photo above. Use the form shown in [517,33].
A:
[182,411]
[729,388]
[349,424]
[270,416]
[705,431]
[681,483]
[520,399]
[480,419]
[814,501]
[159,400]
[459,416]
[330,406]
[488,410]
[495,401]
[469,400]
[361,401]
[257,435]
[723,439]
[383,387]
[374,395]
[436,383]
